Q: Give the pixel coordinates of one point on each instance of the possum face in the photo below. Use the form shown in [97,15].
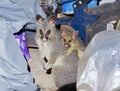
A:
[45,28]
[68,35]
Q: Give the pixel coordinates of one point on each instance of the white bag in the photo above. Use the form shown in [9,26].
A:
[99,69]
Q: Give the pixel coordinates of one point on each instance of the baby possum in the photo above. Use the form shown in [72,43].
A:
[71,40]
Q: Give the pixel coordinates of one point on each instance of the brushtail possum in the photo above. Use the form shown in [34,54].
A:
[48,39]
[71,40]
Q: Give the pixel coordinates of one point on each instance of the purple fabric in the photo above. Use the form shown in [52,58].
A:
[21,38]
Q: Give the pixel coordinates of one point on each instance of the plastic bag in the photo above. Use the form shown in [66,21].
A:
[14,14]
[99,69]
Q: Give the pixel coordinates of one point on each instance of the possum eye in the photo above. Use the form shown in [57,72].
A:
[64,40]
[70,41]
[40,31]
[48,32]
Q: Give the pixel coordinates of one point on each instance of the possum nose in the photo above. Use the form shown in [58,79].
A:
[44,39]
[67,45]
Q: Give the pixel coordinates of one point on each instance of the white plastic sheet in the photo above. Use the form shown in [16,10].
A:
[99,69]
[14,14]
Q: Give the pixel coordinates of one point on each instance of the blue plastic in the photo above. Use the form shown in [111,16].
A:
[65,1]
[67,8]
[92,3]
[81,20]
[67,5]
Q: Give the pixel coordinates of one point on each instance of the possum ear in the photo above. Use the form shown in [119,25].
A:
[62,30]
[75,33]
[39,18]
[52,19]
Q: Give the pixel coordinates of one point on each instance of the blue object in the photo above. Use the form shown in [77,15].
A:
[92,3]
[66,20]
[67,5]
[65,1]
[82,19]
[67,8]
